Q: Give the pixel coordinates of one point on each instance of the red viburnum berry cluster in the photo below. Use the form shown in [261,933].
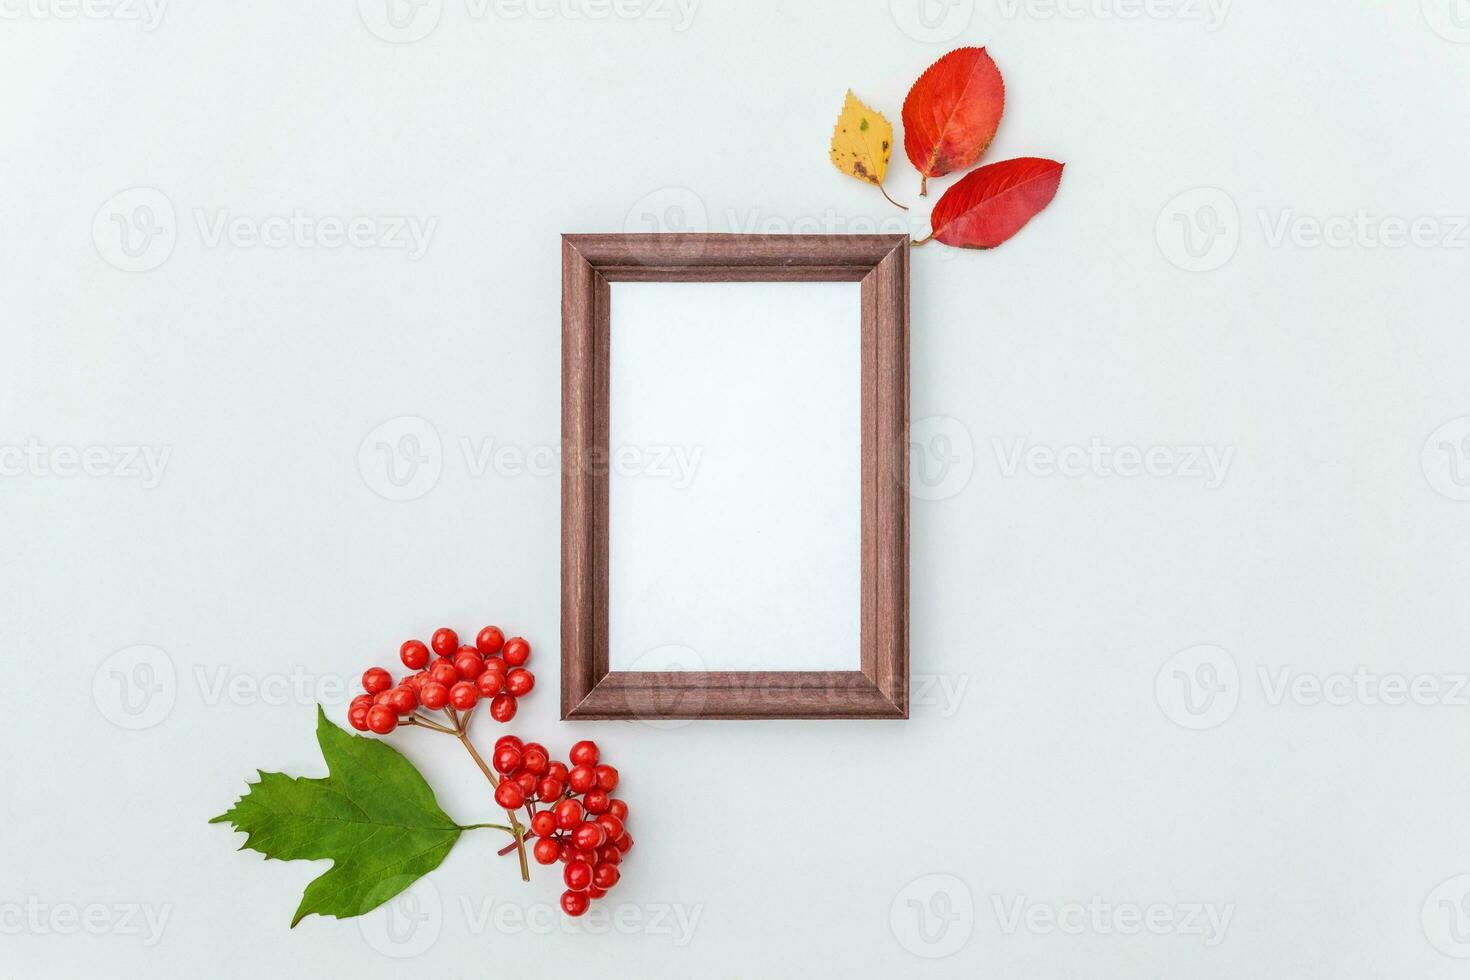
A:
[582,825]
[459,677]
[571,813]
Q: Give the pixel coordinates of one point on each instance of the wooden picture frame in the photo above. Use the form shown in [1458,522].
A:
[590,263]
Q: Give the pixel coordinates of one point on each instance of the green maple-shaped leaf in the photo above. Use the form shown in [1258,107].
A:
[374,816]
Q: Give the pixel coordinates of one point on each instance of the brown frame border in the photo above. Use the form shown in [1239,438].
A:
[881,264]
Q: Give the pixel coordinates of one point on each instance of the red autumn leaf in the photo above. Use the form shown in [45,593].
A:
[951,114]
[991,204]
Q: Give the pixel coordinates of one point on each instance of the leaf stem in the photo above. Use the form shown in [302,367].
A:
[902,207]
[922,241]
[486,826]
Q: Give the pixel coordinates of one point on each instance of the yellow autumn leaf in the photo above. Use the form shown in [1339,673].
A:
[861,143]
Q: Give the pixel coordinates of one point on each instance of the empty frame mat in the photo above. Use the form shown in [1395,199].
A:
[734,476]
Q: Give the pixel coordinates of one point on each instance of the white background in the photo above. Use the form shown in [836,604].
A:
[1096,656]
[755,388]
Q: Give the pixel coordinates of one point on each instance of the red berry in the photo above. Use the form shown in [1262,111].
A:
[508,794]
[489,682]
[581,779]
[557,770]
[584,753]
[589,836]
[376,680]
[519,682]
[463,695]
[415,681]
[578,875]
[527,783]
[433,695]
[596,801]
[444,641]
[517,651]
[363,701]
[607,778]
[611,825]
[503,707]
[505,740]
[402,700]
[625,843]
[605,875]
[567,851]
[382,719]
[594,892]
[549,789]
[574,903]
[469,666]
[546,850]
[618,809]
[490,640]
[543,824]
[357,718]
[609,855]
[568,814]
[414,655]
[536,761]
[443,671]
[466,649]
[507,759]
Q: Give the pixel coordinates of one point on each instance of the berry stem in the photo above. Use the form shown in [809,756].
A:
[423,722]
[516,829]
